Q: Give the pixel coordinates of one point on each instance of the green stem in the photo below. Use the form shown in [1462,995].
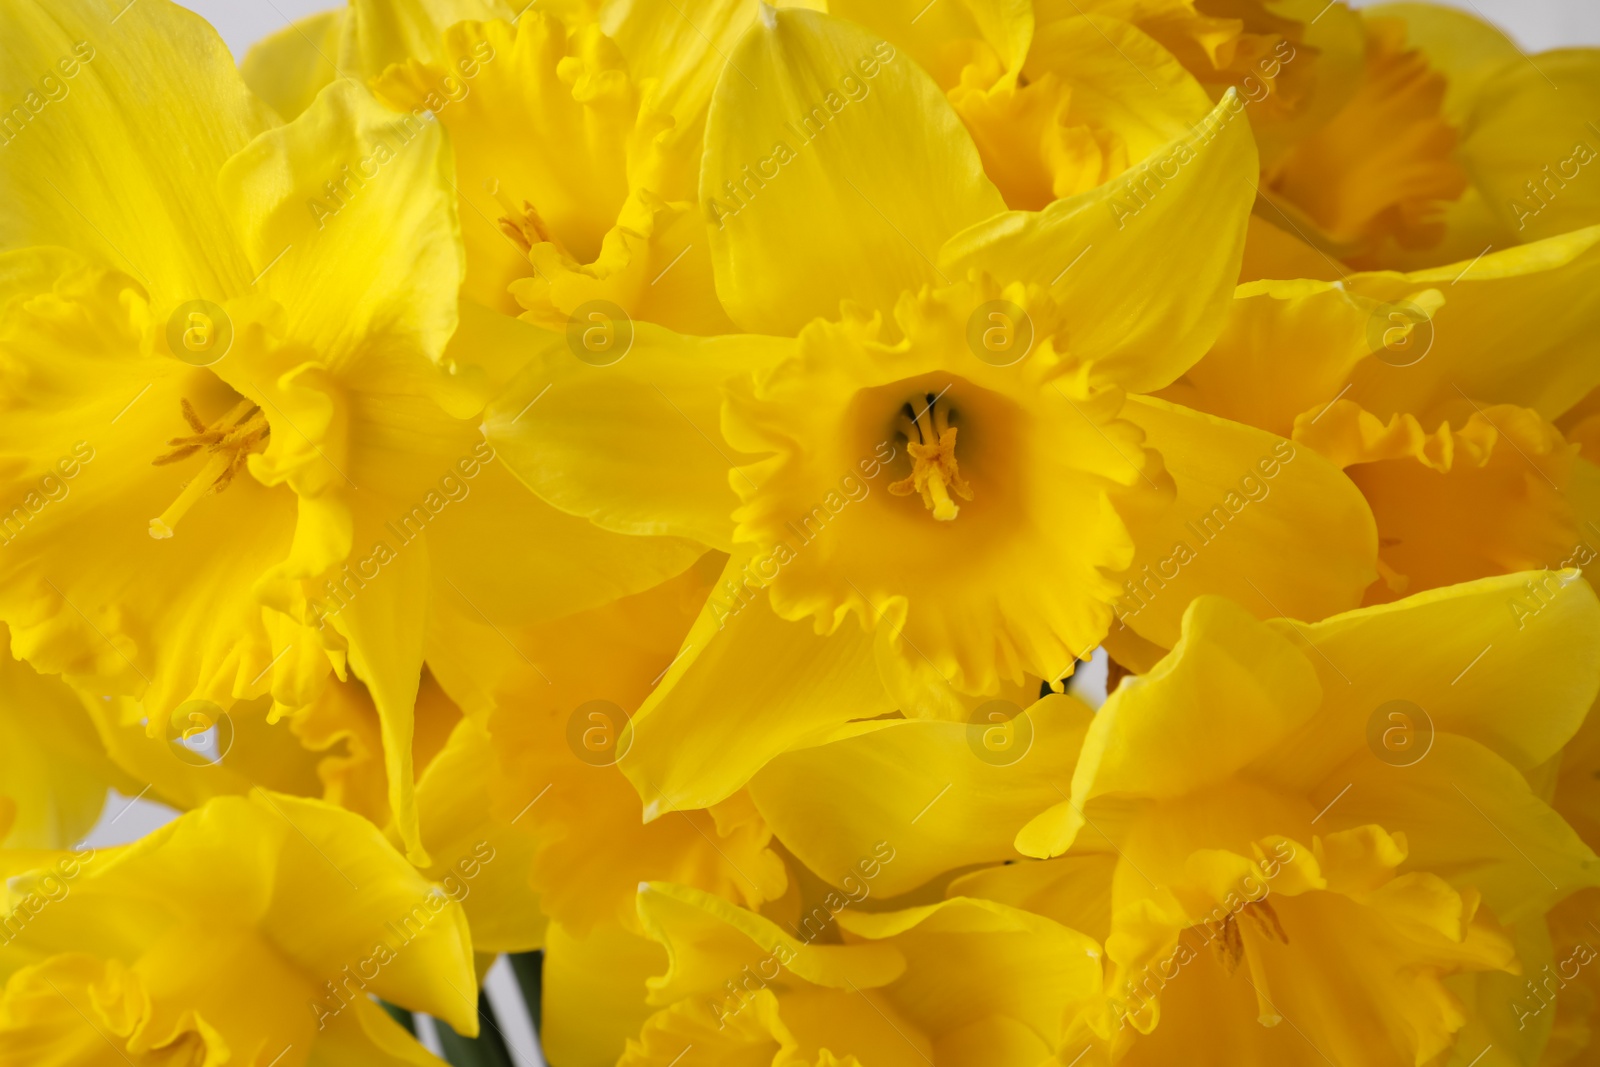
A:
[401,1016]
[529,969]
[488,1049]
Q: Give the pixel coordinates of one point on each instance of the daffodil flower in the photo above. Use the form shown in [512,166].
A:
[1058,100]
[535,774]
[1343,748]
[1360,827]
[1442,393]
[250,930]
[1003,346]
[575,153]
[1448,142]
[957,983]
[226,360]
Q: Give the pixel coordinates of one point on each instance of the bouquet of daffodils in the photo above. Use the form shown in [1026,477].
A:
[876,533]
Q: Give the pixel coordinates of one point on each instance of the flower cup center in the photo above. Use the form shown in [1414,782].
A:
[523,225]
[931,442]
[227,442]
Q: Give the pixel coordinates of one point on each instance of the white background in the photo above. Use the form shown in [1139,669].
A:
[1534,24]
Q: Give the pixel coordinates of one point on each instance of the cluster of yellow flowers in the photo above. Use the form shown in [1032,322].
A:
[649,481]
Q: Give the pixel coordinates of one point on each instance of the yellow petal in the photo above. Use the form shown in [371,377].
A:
[350,223]
[568,819]
[1495,496]
[1284,349]
[694,1037]
[1268,523]
[746,686]
[1081,115]
[55,772]
[684,48]
[1529,143]
[1491,644]
[1271,251]
[290,67]
[1073,890]
[1160,248]
[380,32]
[1365,203]
[365,1033]
[1257,687]
[1133,747]
[974,965]
[798,181]
[479,856]
[1464,809]
[710,941]
[655,463]
[594,993]
[314,888]
[367,893]
[1524,1033]
[956,793]
[1467,49]
[550,141]
[1499,330]
[75,82]
[940,37]
[385,626]
[480,548]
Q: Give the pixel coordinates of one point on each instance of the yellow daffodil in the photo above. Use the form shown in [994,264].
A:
[237,463]
[250,931]
[1449,142]
[958,983]
[949,794]
[1186,866]
[1439,392]
[635,483]
[332,748]
[287,69]
[1356,832]
[572,188]
[575,153]
[534,773]
[1057,102]
[948,479]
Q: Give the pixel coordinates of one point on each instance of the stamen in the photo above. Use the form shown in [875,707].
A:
[1266,920]
[229,441]
[1227,944]
[522,225]
[931,441]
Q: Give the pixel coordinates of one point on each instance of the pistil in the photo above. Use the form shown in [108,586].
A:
[935,473]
